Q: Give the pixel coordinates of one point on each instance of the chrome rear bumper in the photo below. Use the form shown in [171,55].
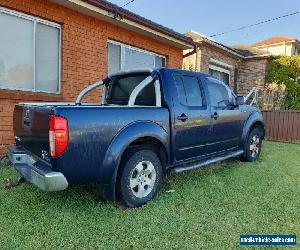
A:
[36,172]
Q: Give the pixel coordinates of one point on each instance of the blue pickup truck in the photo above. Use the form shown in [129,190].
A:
[147,123]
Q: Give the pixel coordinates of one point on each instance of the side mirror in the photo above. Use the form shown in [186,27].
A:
[240,100]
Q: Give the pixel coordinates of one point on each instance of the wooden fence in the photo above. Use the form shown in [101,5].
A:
[282,125]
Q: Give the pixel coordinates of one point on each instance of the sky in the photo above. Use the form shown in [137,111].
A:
[209,17]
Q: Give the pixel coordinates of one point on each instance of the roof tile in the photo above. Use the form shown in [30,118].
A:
[273,40]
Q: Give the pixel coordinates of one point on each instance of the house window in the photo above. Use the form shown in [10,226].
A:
[123,57]
[29,53]
[220,72]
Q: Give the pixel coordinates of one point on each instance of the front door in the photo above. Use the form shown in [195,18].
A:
[226,119]
[192,118]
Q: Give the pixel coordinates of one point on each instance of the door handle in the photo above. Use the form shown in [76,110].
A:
[215,116]
[182,117]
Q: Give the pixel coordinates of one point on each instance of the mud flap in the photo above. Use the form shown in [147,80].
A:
[107,192]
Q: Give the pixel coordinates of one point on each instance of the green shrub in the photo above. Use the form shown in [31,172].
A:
[292,100]
[286,70]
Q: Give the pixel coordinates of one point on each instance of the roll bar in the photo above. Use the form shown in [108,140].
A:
[87,90]
[133,95]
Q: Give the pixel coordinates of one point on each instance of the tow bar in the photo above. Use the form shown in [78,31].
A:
[9,183]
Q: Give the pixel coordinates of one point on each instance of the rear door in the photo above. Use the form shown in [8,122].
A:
[192,117]
[226,119]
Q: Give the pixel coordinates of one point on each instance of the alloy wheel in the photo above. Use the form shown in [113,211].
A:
[254,145]
[142,179]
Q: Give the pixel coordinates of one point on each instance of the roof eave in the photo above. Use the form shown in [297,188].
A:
[268,55]
[103,12]
[259,56]
[274,44]
[222,47]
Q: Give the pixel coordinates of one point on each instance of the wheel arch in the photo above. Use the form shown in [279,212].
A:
[148,134]
[258,124]
[152,143]
[254,120]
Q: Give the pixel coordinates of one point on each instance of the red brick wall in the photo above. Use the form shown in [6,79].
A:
[251,72]
[84,55]
[209,52]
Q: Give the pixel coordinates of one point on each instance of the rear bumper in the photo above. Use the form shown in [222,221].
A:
[36,172]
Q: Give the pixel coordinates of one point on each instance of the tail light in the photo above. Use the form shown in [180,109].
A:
[58,135]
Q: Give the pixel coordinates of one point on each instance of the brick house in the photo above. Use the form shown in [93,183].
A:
[51,50]
[240,66]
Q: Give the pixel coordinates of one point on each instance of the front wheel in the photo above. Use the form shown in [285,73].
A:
[253,145]
[140,178]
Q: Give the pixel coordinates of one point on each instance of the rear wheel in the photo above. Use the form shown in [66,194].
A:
[140,177]
[253,144]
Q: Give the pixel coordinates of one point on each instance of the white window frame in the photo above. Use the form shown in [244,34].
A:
[221,67]
[36,20]
[124,46]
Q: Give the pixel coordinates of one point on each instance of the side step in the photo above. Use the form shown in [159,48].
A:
[195,165]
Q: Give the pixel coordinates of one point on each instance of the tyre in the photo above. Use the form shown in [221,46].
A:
[252,147]
[140,177]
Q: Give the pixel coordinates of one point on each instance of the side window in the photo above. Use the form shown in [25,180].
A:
[188,91]
[218,94]
[192,90]
[180,90]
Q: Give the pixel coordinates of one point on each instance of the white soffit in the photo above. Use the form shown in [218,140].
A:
[97,12]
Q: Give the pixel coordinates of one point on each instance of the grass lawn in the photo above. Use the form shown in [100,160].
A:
[208,209]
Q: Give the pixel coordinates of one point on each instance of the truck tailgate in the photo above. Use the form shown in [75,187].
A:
[31,127]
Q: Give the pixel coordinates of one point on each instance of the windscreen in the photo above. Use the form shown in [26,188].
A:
[121,87]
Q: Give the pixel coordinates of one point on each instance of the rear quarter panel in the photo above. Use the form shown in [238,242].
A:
[92,131]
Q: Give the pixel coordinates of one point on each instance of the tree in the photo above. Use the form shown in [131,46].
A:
[286,70]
